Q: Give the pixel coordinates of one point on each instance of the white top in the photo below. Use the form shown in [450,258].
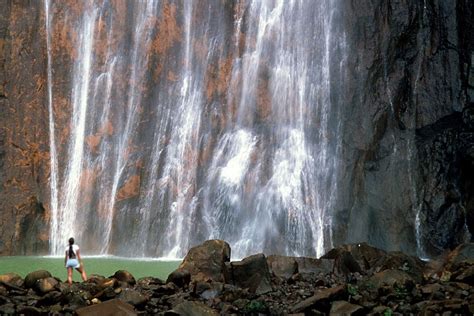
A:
[75,248]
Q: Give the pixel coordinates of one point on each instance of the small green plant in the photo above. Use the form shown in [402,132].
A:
[400,291]
[388,312]
[352,290]
[255,306]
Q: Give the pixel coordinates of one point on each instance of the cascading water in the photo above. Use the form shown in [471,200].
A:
[52,139]
[193,121]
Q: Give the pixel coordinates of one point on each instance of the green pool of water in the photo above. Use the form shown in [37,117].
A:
[105,266]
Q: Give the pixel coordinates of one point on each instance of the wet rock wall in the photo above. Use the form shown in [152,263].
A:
[406,152]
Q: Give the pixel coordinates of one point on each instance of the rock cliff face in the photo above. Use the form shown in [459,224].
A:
[24,148]
[406,152]
[408,70]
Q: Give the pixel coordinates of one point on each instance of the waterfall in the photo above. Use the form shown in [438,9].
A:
[192,121]
[52,141]
[416,200]
[80,93]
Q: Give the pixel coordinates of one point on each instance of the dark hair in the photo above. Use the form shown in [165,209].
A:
[71,252]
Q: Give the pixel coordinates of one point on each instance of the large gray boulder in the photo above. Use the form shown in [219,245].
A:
[282,266]
[206,262]
[252,273]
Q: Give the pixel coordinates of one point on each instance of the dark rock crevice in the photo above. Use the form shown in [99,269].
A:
[445,155]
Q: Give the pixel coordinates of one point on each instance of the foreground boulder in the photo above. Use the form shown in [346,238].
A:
[124,277]
[46,285]
[32,277]
[354,257]
[180,277]
[252,273]
[206,262]
[287,267]
[282,266]
[12,278]
[109,308]
[400,261]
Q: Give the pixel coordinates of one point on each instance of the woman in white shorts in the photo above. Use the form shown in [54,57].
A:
[73,260]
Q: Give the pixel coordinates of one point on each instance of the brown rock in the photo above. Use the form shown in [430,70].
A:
[12,278]
[323,295]
[132,297]
[108,282]
[24,156]
[252,273]
[457,306]
[207,261]
[398,260]
[7,309]
[354,257]
[46,285]
[167,289]
[148,281]
[282,266]
[379,310]
[466,275]
[130,189]
[430,288]
[191,308]
[313,265]
[108,308]
[124,276]
[461,253]
[32,277]
[345,308]
[28,310]
[180,277]
[214,290]
[390,278]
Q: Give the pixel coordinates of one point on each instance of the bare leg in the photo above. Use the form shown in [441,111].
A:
[83,273]
[69,275]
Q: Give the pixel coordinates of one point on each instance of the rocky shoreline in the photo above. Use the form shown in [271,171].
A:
[354,279]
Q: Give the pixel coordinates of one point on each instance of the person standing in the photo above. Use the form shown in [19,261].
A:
[73,260]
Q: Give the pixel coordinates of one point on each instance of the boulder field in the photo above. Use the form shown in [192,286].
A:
[354,279]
